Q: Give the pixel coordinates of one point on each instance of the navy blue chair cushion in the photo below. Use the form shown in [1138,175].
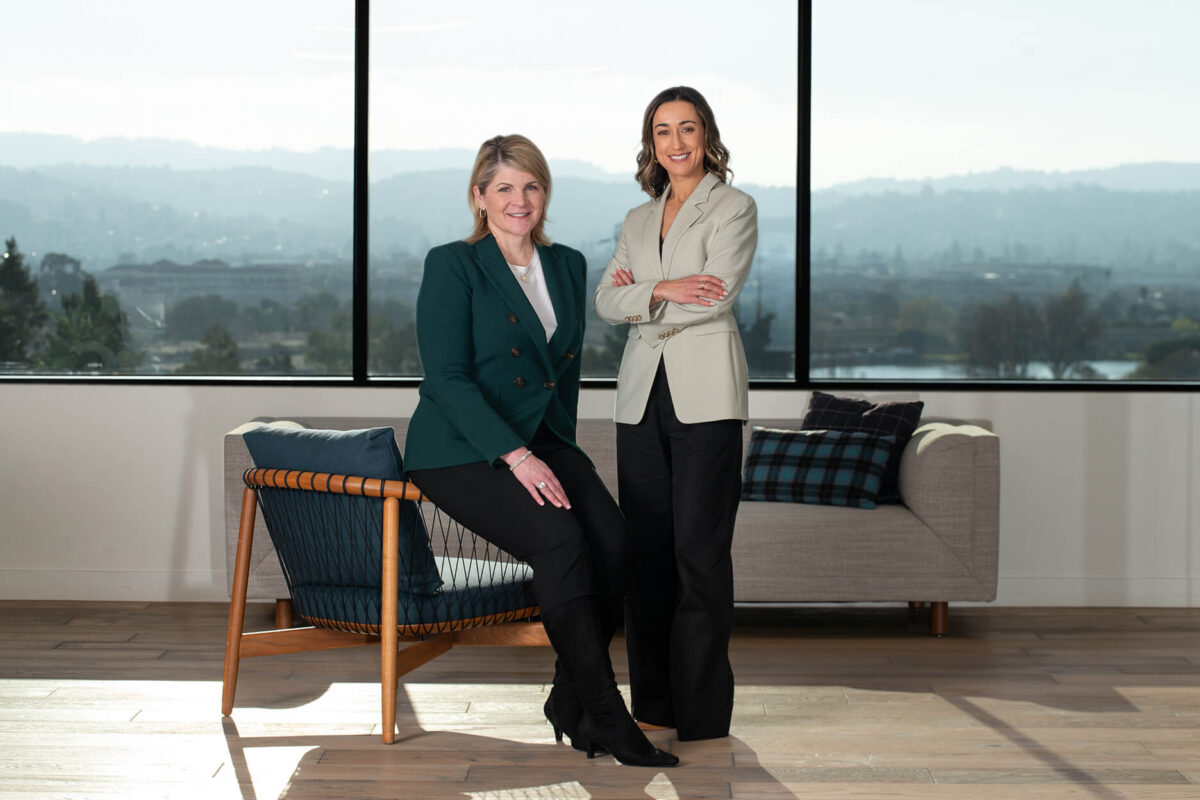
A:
[898,419]
[329,544]
[474,591]
[841,468]
[369,452]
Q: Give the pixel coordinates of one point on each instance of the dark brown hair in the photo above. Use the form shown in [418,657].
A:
[650,174]
[517,152]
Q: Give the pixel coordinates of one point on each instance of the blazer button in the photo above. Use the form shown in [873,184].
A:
[518,382]
[516,352]
[549,384]
[512,318]
[568,355]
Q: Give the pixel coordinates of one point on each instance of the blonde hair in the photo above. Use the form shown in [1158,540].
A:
[650,174]
[517,152]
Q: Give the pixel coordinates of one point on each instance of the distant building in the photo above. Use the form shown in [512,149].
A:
[145,290]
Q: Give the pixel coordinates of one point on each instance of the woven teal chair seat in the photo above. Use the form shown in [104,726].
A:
[473,593]
[330,544]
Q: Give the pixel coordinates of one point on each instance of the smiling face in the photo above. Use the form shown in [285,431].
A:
[679,140]
[514,201]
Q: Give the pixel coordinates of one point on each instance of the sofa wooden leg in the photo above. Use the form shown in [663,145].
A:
[283,613]
[939,618]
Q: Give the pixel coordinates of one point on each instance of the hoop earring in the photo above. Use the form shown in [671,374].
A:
[482,214]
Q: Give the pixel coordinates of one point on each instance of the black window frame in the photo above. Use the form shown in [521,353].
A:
[801,380]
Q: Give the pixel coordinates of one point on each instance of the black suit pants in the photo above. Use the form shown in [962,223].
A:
[574,553]
[679,486]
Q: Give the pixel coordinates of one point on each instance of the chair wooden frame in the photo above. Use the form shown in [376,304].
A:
[423,646]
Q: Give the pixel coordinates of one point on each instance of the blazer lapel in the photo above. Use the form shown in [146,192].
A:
[650,235]
[689,214]
[558,283]
[495,268]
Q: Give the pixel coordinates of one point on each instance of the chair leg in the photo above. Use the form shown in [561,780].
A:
[283,613]
[939,618]
[389,638]
[237,603]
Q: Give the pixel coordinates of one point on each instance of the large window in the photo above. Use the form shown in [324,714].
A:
[574,78]
[1005,191]
[175,188]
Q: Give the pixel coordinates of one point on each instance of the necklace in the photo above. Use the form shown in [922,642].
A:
[522,273]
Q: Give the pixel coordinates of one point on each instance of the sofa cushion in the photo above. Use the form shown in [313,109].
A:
[843,468]
[898,419]
[345,530]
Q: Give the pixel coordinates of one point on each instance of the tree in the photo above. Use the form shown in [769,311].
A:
[604,360]
[1175,359]
[1071,331]
[315,312]
[192,318]
[329,350]
[393,347]
[91,332]
[1000,340]
[59,275]
[277,361]
[217,355]
[22,314]
[924,324]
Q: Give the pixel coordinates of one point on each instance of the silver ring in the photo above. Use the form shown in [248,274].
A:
[541,484]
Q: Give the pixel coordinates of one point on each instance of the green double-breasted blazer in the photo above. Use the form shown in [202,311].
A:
[491,378]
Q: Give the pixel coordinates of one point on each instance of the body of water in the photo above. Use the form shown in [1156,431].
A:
[1108,370]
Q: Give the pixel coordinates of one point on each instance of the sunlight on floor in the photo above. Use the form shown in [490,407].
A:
[554,791]
[271,768]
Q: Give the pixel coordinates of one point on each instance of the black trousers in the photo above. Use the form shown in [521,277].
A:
[679,486]
[573,553]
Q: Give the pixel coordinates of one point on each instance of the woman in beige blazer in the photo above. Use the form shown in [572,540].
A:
[682,399]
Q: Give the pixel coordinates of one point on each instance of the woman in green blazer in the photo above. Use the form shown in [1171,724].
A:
[492,441]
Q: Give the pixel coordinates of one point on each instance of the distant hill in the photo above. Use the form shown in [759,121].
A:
[1129,231]
[1149,177]
[39,150]
[254,214]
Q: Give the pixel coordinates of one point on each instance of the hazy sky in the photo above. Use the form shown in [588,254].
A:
[253,74]
[904,89]
[926,88]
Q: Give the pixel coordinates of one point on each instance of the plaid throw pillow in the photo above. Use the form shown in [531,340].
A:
[840,468]
[829,412]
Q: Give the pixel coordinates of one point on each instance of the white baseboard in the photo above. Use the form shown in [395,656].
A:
[1099,592]
[209,586]
[113,585]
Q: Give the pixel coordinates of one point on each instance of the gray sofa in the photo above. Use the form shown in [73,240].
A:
[938,547]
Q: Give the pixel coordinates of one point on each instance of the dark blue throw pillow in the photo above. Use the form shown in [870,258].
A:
[351,548]
[368,453]
[840,468]
[896,418]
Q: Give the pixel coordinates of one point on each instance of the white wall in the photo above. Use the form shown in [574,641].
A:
[113,492]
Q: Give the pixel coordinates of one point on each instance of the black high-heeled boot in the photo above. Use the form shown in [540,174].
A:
[605,723]
[563,711]
[562,708]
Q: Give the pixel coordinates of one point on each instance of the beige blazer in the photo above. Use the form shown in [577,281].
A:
[715,232]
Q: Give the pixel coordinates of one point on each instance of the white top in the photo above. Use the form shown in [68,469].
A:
[533,283]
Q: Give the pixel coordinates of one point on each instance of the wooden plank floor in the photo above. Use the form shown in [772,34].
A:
[123,700]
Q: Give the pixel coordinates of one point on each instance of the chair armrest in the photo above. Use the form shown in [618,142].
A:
[950,478]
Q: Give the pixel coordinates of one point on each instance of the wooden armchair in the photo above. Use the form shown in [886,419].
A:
[374,561]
